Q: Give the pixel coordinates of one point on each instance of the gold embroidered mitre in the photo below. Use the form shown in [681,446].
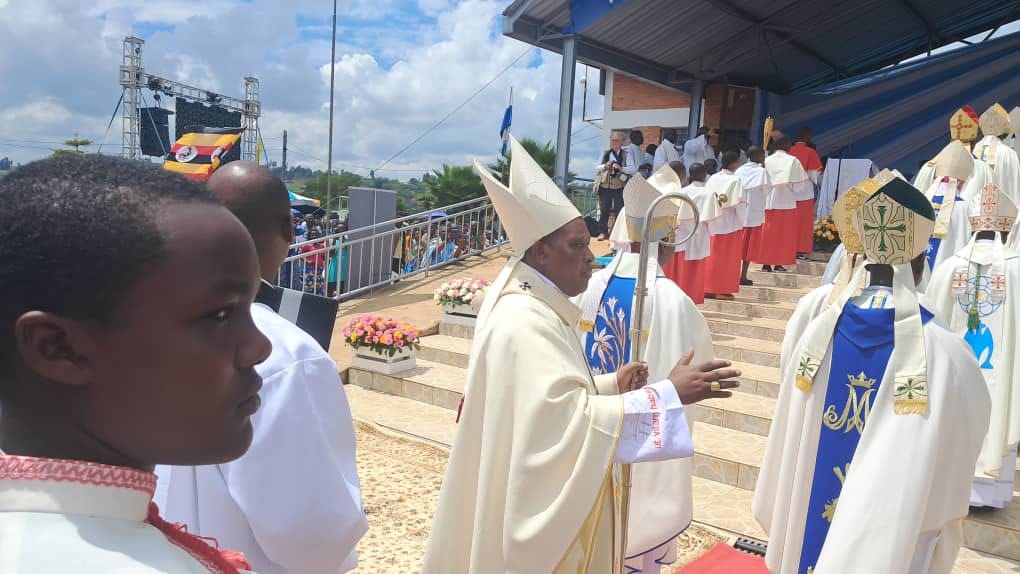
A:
[963,125]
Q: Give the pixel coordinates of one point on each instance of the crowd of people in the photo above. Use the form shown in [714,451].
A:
[151,423]
[319,260]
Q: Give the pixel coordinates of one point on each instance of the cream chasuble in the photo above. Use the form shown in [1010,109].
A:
[531,485]
[661,500]
[972,294]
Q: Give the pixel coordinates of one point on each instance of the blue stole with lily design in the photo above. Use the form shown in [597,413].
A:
[607,346]
[934,243]
[861,347]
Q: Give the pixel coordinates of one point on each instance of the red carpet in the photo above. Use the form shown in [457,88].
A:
[725,559]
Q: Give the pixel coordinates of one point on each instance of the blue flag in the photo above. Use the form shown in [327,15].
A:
[504,129]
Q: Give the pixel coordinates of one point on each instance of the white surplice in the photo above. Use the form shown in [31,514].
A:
[665,153]
[956,286]
[661,501]
[532,483]
[902,506]
[1003,163]
[60,516]
[755,180]
[292,503]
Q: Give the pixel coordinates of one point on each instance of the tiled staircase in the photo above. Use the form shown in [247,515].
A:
[730,434]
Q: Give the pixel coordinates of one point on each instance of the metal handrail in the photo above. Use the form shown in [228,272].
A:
[326,257]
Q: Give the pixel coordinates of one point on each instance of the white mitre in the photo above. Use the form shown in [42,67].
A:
[954,161]
[995,121]
[1014,121]
[533,206]
[638,196]
[992,210]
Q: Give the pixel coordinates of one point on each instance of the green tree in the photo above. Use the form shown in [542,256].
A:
[339,182]
[454,184]
[75,142]
[544,155]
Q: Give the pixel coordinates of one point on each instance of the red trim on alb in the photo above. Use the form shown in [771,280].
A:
[13,467]
[215,560]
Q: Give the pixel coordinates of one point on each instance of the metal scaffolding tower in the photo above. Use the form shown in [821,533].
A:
[133,79]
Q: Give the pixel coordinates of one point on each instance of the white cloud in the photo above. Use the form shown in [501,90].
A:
[400,67]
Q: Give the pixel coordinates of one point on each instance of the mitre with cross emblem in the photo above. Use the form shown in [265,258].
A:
[992,210]
[963,125]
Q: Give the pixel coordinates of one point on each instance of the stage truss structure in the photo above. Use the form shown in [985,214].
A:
[134,79]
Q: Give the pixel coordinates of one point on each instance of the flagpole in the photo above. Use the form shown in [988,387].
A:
[329,157]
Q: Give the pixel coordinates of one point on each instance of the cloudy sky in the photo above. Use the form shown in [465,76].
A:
[401,65]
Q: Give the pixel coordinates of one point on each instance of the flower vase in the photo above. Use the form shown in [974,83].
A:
[370,360]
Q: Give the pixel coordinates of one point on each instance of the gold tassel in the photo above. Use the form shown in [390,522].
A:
[804,383]
[911,406]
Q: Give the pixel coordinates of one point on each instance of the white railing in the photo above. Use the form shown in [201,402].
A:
[357,261]
[347,264]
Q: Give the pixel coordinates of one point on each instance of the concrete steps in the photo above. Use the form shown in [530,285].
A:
[730,435]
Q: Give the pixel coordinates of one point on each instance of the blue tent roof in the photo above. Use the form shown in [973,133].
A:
[782,46]
[899,116]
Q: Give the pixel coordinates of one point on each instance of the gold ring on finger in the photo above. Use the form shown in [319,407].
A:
[715,386]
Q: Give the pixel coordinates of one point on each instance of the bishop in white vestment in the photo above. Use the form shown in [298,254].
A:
[1001,159]
[532,483]
[661,505]
[953,166]
[975,293]
[963,126]
[878,421]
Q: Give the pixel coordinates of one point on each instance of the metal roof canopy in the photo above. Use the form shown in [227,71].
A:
[781,46]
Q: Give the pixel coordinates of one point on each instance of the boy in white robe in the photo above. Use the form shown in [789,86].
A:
[974,293]
[117,357]
[532,484]
[292,503]
[878,421]
[1001,159]
[661,507]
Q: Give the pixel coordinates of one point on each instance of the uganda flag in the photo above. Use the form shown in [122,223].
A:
[196,155]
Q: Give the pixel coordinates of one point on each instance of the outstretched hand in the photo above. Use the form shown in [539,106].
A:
[632,377]
[694,383]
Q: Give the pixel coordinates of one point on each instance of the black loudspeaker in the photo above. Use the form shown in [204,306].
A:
[212,116]
[155,131]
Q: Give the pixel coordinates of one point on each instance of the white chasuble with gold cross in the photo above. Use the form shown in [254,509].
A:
[897,503]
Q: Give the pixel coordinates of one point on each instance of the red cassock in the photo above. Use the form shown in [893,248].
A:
[688,275]
[775,242]
[805,226]
[722,267]
[806,208]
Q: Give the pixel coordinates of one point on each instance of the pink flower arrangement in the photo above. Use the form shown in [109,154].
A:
[460,292]
[380,334]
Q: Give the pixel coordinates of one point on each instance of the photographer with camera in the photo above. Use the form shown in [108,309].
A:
[610,176]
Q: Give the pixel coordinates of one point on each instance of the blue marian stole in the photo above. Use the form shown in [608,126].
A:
[861,347]
[607,346]
[935,242]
